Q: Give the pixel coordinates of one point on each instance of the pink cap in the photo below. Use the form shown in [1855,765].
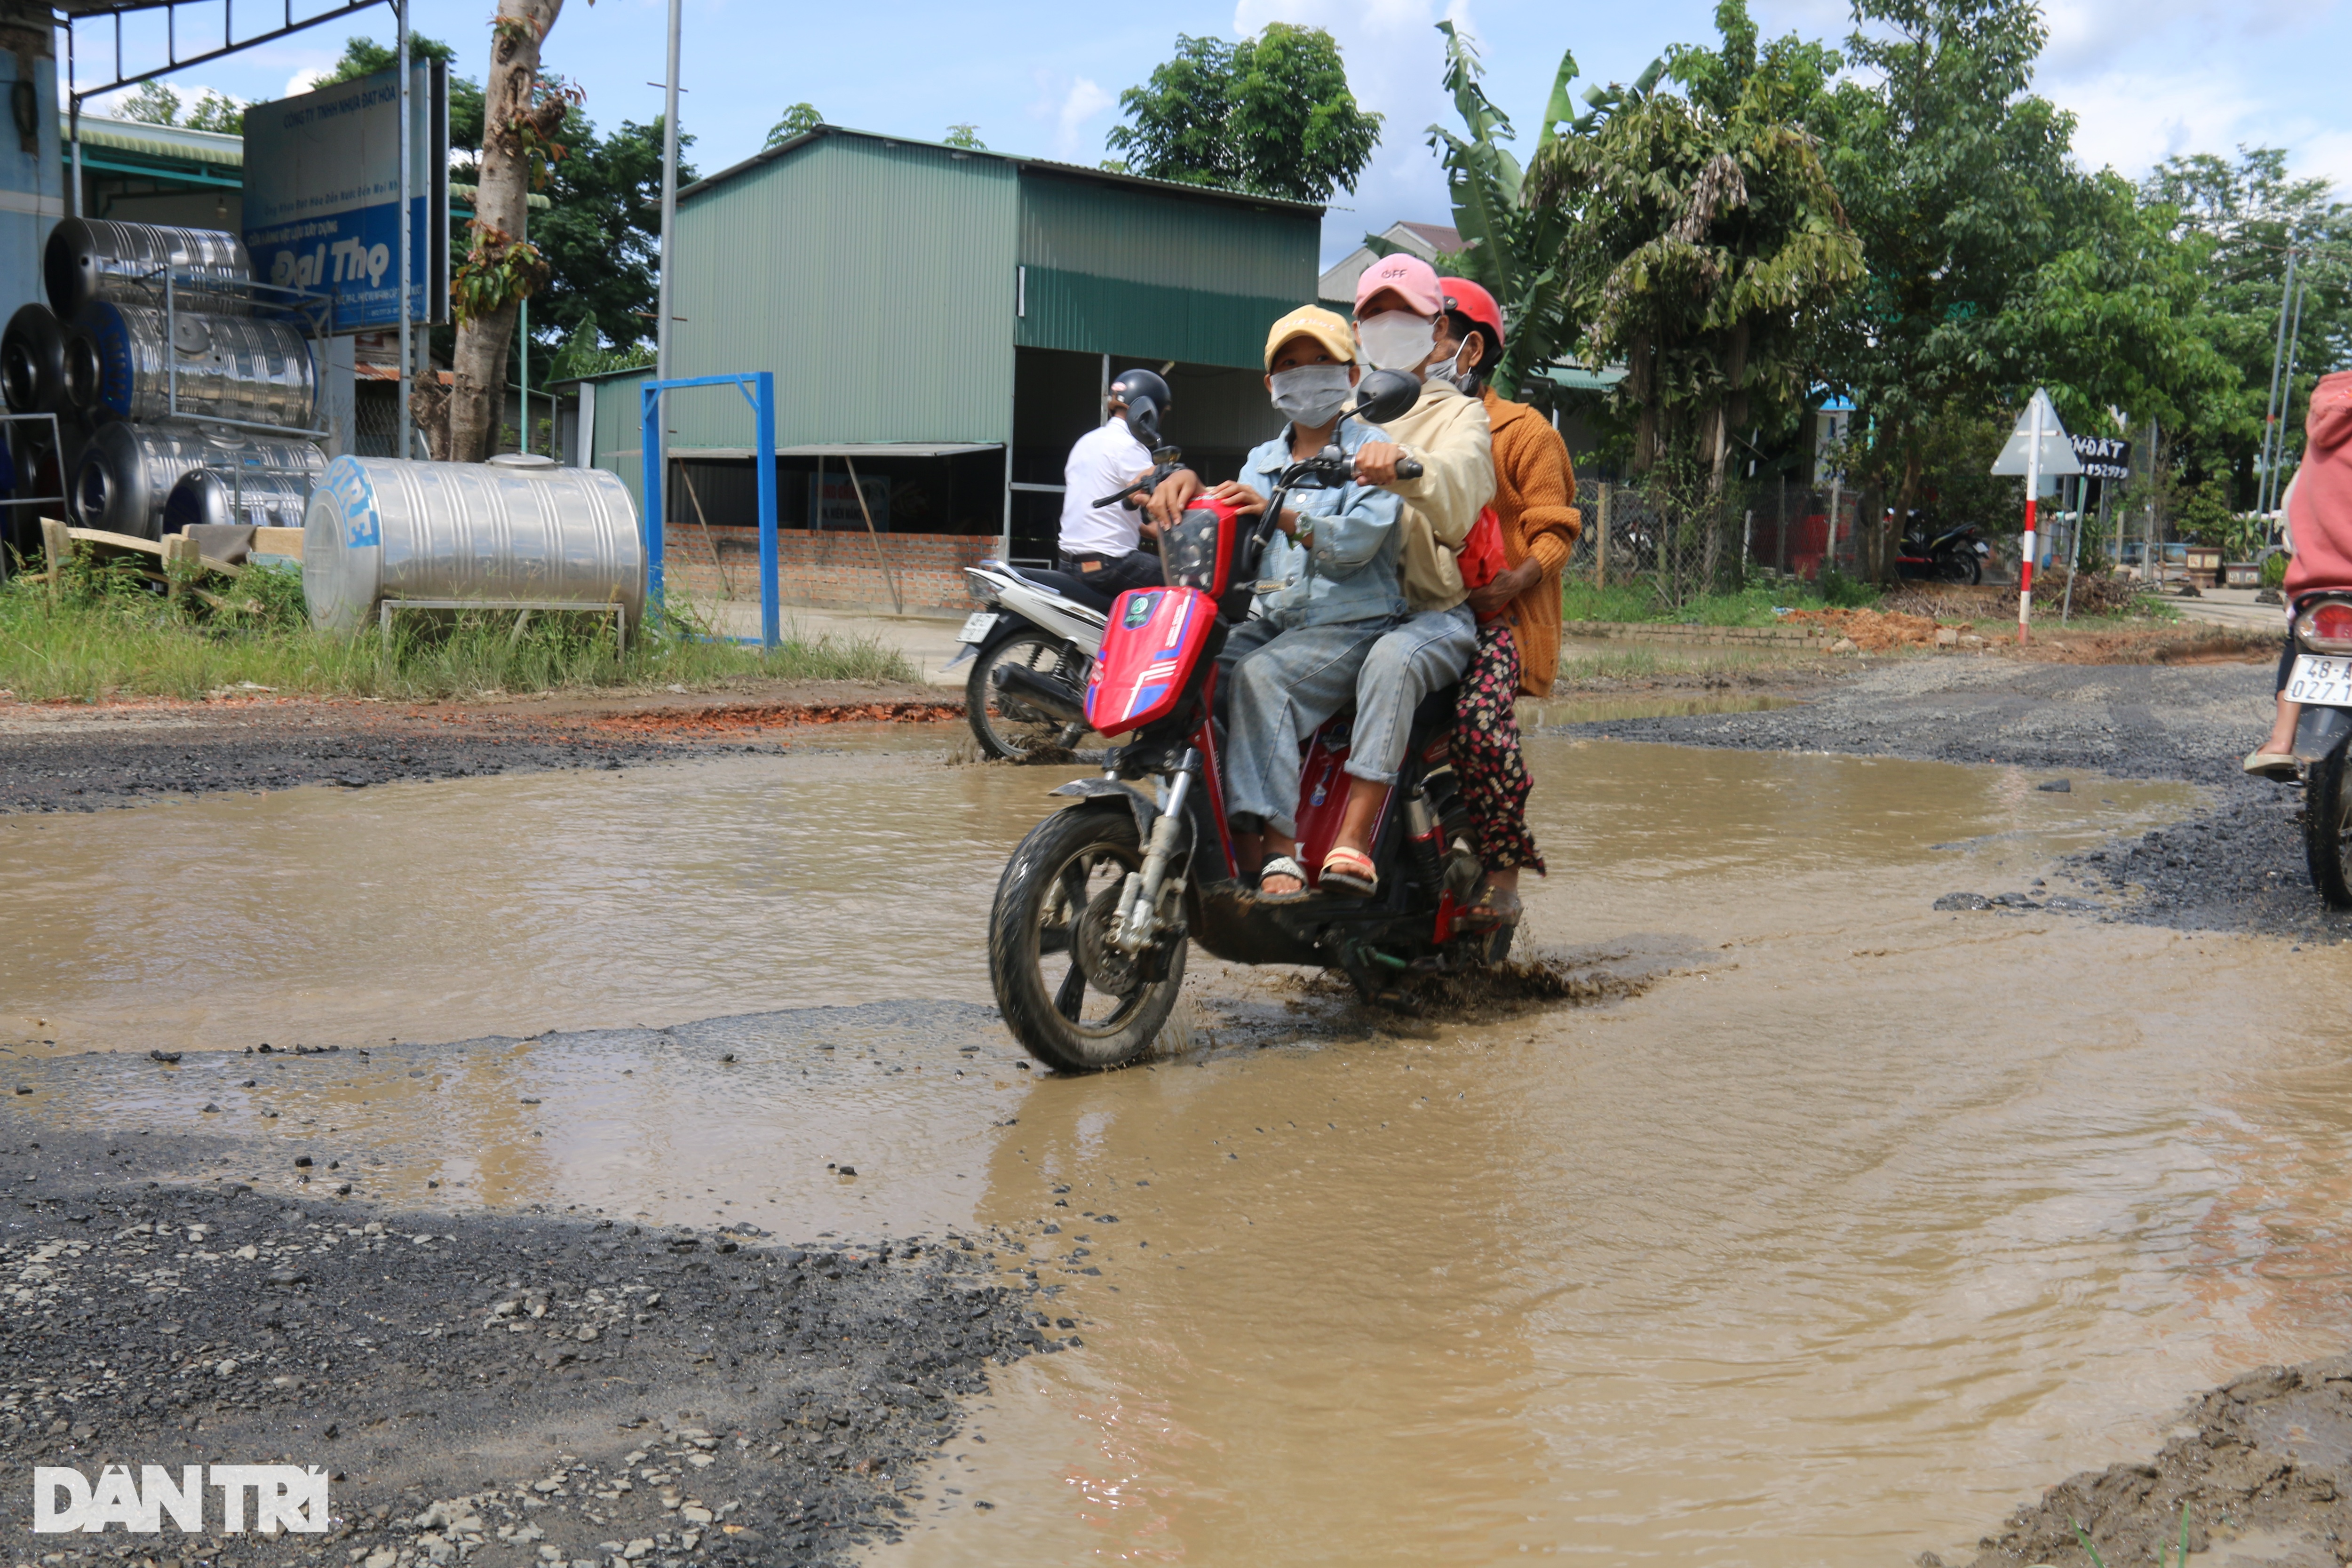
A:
[1414,279]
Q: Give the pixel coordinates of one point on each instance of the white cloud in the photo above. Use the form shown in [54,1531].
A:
[1081,103]
[308,77]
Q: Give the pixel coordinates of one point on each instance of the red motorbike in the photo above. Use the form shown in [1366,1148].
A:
[1096,911]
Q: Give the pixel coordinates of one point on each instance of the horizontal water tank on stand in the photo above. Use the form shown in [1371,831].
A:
[126,472]
[122,359]
[33,361]
[246,497]
[495,532]
[93,259]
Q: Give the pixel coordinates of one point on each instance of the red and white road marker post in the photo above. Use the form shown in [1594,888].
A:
[2033,499]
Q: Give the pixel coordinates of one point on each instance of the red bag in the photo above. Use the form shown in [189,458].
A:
[1480,555]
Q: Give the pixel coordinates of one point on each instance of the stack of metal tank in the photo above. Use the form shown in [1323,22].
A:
[170,386]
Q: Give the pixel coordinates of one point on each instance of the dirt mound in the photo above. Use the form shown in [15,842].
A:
[733,717]
[1872,631]
[2272,1452]
[1949,601]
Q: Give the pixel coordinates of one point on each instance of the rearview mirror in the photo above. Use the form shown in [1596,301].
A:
[1384,395]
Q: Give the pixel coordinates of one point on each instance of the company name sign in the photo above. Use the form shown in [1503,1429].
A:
[262,1497]
[322,195]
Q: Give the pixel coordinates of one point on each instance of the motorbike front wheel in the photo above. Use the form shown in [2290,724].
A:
[1074,1001]
[1960,566]
[1006,728]
[2326,832]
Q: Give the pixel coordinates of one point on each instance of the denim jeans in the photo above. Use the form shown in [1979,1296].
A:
[1429,651]
[1283,685]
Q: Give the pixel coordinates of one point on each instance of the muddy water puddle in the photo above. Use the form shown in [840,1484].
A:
[1858,1223]
[1653,705]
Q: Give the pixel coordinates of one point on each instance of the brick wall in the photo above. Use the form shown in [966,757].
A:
[833,570]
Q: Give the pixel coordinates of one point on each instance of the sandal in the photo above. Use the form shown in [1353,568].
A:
[1282,866]
[1490,911]
[2271,764]
[1350,874]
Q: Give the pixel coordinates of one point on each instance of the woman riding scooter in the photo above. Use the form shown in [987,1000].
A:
[2319,531]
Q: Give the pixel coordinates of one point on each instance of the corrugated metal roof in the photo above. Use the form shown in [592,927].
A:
[174,142]
[1074,170]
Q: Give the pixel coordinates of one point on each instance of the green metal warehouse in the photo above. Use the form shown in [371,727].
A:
[942,322]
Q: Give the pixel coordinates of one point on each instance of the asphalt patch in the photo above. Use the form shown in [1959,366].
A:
[499,1390]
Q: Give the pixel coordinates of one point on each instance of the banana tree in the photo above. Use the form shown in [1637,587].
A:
[1514,250]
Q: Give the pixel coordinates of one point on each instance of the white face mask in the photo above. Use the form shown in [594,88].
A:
[1310,395]
[1397,340]
[1446,369]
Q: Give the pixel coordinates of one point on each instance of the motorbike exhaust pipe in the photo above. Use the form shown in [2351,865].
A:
[1048,696]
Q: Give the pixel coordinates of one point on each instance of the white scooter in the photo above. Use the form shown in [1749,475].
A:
[1034,647]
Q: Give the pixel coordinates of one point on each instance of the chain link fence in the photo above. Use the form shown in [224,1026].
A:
[1687,548]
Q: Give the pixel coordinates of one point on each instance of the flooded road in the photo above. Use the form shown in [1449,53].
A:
[1856,1224]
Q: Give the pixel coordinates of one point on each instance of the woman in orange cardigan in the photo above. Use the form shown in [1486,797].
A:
[1518,615]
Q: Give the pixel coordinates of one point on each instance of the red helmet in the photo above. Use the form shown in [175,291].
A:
[1461,294]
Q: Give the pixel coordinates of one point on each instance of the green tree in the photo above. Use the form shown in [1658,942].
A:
[798,120]
[365,56]
[1272,115]
[151,103]
[1704,246]
[2237,219]
[602,236]
[1959,181]
[965,135]
[217,111]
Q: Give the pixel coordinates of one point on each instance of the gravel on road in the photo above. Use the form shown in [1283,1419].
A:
[495,1390]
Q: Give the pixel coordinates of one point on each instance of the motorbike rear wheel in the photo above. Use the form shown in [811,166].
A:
[2328,827]
[1007,729]
[1074,1001]
[1960,567]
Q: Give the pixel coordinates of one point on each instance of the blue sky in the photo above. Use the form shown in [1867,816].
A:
[2147,77]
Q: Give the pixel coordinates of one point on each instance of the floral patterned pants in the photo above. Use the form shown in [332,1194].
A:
[1486,757]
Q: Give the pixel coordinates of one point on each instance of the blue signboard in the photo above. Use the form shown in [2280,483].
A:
[322,195]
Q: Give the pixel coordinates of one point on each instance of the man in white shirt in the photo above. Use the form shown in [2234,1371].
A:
[1101,545]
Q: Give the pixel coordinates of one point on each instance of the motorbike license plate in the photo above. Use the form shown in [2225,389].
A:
[2321,682]
[977,626]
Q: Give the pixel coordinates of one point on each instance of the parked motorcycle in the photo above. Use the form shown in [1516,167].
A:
[2322,681]
[1955,555]
[1100,903]
[1032,646]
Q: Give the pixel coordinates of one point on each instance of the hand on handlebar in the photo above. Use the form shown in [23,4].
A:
[1385,463]
[1173,494]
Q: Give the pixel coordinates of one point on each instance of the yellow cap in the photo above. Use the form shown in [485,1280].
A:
[1326,327]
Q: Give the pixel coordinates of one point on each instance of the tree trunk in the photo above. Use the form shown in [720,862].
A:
[1891,530]
[512,116]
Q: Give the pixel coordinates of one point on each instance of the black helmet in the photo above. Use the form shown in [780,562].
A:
[1146,398]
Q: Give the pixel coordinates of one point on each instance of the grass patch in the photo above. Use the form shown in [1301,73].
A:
[1638,602]
[105,635]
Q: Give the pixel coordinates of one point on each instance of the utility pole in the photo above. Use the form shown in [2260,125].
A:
[408,240]
[2286,393]
[2271,409]
[668,199]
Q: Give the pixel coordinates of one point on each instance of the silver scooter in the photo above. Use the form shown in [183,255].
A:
[1032,646]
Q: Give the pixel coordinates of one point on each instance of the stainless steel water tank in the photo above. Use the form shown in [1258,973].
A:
[253,498]
[380,528]
[93,259]
[120,358]
[126,471]
[33,361]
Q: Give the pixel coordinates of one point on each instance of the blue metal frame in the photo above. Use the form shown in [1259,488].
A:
[759,390]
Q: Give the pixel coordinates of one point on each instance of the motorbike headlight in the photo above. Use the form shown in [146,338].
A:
[981,586]
[2326,627]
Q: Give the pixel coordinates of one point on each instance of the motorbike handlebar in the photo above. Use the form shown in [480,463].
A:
[1408,468]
